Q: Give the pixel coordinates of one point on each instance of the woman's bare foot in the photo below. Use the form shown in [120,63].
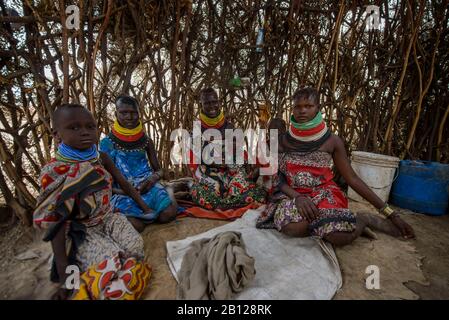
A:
[369,234]
[362,227]
[361,223]
[379,224]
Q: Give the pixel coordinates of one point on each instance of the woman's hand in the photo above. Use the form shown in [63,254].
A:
[148,211]
[405,229]
[147,185]
[306,208]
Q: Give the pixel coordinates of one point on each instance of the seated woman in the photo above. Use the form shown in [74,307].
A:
[74,207]
[133,153]
[220,186]
[312,203]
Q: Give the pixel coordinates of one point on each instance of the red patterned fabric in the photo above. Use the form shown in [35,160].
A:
[115,278]
[58,178]
[312,176]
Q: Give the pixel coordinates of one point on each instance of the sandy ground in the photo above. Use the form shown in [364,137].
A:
[414,269]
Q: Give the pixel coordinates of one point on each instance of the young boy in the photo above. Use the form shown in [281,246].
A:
[74,202]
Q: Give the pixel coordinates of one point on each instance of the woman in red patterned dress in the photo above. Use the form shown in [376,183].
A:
[312,204]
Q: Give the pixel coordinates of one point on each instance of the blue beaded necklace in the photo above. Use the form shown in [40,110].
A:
[68,154]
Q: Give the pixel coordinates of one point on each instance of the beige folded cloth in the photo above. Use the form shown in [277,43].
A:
[215,268]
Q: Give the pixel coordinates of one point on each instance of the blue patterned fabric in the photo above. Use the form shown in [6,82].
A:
[135,168]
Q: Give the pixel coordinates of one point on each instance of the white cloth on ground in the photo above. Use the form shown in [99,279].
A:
[287,268]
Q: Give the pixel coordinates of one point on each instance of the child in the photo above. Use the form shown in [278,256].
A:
[314,205]
[133,152]
[74,207]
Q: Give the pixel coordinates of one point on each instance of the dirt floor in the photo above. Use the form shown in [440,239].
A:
[414,269]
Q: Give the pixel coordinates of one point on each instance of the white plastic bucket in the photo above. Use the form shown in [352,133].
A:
[376,170]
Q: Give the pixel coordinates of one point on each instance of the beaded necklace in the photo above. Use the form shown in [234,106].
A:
[128,140]
[66,153]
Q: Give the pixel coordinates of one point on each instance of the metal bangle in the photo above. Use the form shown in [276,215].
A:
[386,211]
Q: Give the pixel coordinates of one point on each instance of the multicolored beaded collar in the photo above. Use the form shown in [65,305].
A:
[305,137]
[128,140]
[309,131]
[214,123]
[66,153]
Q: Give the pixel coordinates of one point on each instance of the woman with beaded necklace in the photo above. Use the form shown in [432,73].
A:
[220,186]
[313,204]
[134,154]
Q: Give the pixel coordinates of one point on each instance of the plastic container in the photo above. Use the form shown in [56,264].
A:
[422,186]
[376,170]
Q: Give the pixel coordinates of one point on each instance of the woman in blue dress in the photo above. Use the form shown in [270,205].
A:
[134,154]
